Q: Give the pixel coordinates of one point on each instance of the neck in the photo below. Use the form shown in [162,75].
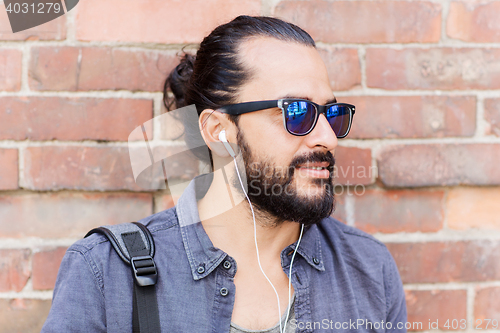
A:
[227,218]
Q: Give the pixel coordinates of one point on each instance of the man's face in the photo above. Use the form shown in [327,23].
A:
[282,169]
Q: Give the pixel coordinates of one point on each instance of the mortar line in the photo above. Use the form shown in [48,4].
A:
[25,49]
[192,47]
[21,167]
[481,122]
[35,243]
[358,92]
[71,26]
[376,145]
[89,94]
[362,63]
[470,235]
[40,295]
[471,294]
[445,12]
[454,285]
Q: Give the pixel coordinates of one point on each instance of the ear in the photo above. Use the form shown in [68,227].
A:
[211,123]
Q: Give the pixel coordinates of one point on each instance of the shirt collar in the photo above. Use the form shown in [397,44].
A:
[203,257]
[309,249]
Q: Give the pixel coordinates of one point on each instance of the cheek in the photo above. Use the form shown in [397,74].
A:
[278,148]
[270,121]
[269,140]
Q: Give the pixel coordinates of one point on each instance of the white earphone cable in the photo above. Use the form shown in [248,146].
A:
[290,278]
[282,330]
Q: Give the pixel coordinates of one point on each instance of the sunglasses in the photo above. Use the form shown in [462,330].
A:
[300,116]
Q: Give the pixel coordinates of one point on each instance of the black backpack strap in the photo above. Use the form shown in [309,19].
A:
[134,244]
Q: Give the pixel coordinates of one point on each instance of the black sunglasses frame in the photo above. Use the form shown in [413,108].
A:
[241,108]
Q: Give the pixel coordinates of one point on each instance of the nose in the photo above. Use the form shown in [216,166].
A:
[322,135]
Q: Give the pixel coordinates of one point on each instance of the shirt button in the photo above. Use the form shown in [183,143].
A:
[227,264]
[224,291]
[316,261]
[201,270]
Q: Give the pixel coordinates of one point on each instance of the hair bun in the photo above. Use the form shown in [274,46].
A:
[178,80]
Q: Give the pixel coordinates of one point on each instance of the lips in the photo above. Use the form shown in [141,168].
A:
[314,170]
[314,166]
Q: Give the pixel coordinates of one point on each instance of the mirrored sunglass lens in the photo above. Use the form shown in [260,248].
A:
[300,117]
[339,117]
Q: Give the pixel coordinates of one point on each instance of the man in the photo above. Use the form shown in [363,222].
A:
[229,271]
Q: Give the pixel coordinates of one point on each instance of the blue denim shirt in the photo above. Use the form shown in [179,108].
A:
[344,281]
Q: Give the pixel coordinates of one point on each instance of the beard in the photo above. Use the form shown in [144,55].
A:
[271,189]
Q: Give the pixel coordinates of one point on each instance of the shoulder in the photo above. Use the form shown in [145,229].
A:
[369,264]
[157,224]
[335,228]
[352,242]
[361,252]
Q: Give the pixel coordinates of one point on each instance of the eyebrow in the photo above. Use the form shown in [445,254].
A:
[330,101]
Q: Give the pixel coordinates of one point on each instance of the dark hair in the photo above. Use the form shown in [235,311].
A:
[212,77]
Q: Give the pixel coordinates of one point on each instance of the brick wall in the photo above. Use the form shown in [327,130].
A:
[419,170]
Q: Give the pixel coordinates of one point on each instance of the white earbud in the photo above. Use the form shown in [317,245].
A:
[222,138]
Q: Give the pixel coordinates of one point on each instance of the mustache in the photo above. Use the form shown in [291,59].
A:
[314,157]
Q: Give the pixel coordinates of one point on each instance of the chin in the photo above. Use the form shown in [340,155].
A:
[311,193]
[313,188]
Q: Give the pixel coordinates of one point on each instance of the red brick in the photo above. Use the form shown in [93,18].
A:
[435,68]
[412,116]
[68,215]
[52,30]
[492,115]
[78,168]
[365,21]
[441,306]
[473,208]
[343,67]
[486,306]
[14,267]
[450,261]
[353,166]
[167,21]
[10,69]
[474,22]
[23,315]
[94,68]
[54,68]
[399,211]
[48,118]
[439,164]
[177,162]
[45,267]
[9,172]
